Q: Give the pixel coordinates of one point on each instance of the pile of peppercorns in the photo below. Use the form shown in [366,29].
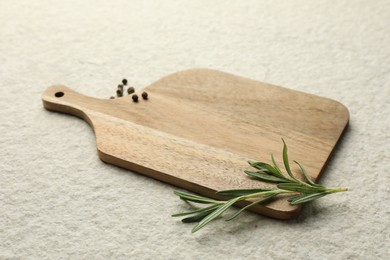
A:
[130,90]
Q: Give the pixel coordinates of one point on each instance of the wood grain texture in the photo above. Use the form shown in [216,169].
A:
[199,128]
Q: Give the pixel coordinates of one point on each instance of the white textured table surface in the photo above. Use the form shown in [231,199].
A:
[58,200]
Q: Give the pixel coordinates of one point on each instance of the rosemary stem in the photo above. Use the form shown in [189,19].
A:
[334,190]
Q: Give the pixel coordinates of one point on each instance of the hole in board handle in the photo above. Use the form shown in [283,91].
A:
[59,94]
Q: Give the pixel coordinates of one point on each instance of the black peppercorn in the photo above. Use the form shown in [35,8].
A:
[135,98]
[130,90]
[112,97]
[119,92]
[145,95]
[124,81]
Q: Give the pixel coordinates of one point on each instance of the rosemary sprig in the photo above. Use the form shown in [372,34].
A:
[299,191]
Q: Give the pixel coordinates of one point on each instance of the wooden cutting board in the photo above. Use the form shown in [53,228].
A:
[199,128]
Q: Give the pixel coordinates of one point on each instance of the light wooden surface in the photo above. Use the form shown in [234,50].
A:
[199,128]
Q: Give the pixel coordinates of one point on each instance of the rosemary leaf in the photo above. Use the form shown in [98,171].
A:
[198,217]
[308,197]
[194,198]
[212,207]
[296,197]
[275,165]
[267,168]
[260,201]
[286,162]
[240,192]
[307,177]
[264,177]
[215,214]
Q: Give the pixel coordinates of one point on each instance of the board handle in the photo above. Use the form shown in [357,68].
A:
[62,99]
